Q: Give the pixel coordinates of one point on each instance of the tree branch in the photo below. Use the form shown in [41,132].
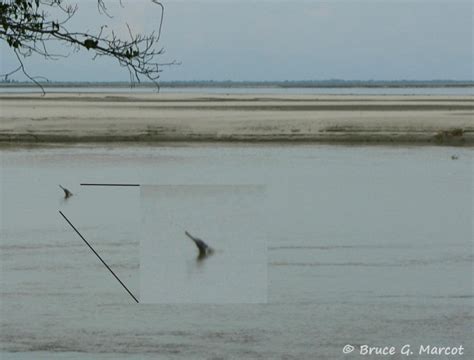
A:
[27,29]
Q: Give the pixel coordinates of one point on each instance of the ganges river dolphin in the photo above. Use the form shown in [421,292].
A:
[204,249]
[67,193]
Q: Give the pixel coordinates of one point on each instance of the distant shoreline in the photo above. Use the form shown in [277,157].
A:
[160,118]
[255,84]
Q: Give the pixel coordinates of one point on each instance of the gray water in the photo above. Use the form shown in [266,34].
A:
[365,245]
[230,218]
[257,90]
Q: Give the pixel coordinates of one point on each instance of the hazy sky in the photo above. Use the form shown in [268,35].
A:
[280,40]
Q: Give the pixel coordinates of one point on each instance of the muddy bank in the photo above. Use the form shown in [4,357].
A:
[154,118]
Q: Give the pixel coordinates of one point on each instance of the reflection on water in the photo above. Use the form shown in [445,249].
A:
[366,245]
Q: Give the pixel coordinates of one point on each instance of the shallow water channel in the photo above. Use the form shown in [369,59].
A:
[363,245]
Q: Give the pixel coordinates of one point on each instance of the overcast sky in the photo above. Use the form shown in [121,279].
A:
[284,40]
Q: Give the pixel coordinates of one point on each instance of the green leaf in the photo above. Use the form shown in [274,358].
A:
[90,43]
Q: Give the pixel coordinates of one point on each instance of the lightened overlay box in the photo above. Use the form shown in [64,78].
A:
[230,219]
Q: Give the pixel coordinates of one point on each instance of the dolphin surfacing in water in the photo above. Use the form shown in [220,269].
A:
[204,249]
[67,193]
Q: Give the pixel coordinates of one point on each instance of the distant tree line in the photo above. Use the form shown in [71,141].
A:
[265,84]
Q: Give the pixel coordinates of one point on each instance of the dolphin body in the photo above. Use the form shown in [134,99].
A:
[204,249]
[67,193]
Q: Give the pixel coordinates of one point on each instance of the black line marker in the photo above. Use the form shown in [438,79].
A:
[95,252]
[110,184]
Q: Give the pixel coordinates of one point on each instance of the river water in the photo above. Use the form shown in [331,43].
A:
[445,91]
[364,245]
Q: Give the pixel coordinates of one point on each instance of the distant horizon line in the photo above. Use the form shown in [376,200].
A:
[250,83]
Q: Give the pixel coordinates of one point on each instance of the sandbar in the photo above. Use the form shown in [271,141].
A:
[164,117]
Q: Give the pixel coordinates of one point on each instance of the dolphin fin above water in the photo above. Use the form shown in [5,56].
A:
[67,193]
[204,249]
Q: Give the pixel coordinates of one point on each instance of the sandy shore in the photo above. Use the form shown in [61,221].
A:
[62,118]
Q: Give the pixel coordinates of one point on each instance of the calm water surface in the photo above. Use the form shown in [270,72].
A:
[366,245]
[259,90]
[230,218]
